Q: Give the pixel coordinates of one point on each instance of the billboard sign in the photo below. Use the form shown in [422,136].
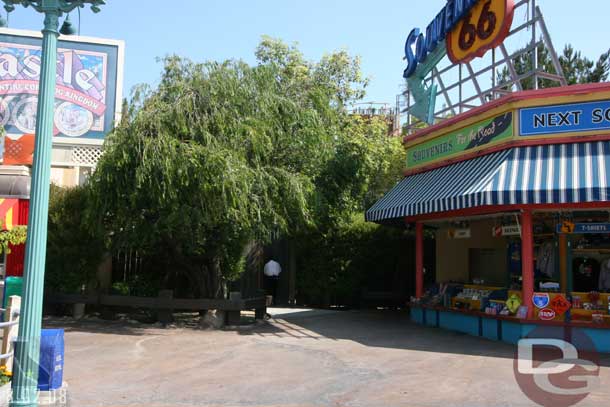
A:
[565,118]
[483,28]
[465,28]
[88,90]
[468,139]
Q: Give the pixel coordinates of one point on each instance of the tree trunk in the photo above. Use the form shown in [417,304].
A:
[215,286]
[251,281]
[203,274]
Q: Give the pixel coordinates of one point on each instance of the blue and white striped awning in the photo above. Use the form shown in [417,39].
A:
[549,174]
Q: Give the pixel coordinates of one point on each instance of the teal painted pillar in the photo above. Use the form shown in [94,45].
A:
[25,375]
[27,346]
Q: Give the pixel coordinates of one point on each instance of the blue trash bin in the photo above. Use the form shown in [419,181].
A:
[51,369]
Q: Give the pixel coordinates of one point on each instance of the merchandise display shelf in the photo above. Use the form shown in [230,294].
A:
[502,327]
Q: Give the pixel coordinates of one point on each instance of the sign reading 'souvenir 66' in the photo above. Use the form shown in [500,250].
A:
[86,91]
[467,28]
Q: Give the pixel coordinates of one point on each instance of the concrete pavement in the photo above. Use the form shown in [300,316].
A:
[302,358]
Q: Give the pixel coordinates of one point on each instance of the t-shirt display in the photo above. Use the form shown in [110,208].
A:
[545,259]
[586,274]
[604,276]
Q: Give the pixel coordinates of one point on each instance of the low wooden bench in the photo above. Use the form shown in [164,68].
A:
[165,304]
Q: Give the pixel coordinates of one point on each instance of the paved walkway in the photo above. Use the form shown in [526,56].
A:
[302,358]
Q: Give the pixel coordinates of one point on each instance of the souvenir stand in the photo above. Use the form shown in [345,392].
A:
[517,196]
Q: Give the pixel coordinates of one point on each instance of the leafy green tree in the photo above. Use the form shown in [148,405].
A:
[367,163]
[577,69]
[340,251]
[221,154]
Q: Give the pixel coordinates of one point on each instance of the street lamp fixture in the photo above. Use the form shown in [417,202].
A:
[66,27]
[27,349]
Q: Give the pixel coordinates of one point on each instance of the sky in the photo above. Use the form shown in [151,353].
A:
[220,29]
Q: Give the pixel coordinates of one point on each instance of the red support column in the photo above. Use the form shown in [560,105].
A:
[419,260]
[527,260]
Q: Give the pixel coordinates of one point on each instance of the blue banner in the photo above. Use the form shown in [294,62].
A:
[575,117]
[583,228]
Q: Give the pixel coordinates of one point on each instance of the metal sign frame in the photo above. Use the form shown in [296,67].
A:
[484,81]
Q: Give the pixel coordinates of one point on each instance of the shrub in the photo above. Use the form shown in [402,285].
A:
[335,267]
[74,249]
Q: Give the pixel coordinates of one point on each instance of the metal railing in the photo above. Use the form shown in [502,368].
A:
[10,330]
[8,324]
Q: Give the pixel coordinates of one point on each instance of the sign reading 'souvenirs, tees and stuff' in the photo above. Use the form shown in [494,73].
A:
[86,91]
[565,118]
[483,133]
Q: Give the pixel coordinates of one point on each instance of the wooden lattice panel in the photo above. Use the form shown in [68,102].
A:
[86,155]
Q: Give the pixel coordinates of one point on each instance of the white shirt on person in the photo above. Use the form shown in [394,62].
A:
[272,269]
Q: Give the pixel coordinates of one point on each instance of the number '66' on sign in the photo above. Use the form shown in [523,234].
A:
[484,28]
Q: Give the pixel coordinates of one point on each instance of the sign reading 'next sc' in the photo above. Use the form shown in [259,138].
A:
[566,118]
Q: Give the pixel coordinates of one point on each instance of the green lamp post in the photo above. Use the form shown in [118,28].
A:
[25,374]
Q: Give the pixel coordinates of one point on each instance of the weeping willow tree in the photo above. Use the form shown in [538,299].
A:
[221,154]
